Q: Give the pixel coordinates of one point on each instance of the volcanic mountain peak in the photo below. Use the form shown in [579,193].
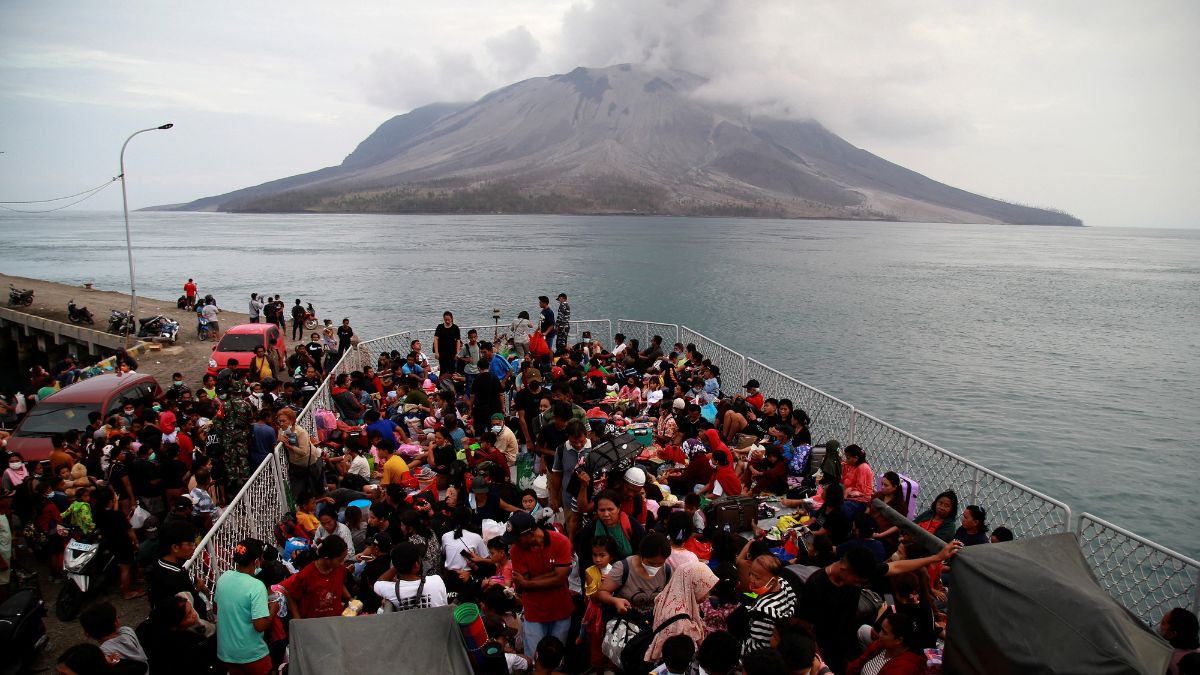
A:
[618,139]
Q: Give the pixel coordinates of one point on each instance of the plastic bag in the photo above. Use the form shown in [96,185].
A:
[537,345]
[525,470]
[139,517]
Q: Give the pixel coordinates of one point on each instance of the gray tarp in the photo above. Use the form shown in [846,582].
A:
[415,641]
[1033,606]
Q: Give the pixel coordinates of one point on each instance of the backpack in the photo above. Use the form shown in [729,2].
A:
[406,603]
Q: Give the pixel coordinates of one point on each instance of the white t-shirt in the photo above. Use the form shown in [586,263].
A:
[342,531]
[210,312]
[619,349]
[359,466]
[516,663]
[434,594]
[453,548]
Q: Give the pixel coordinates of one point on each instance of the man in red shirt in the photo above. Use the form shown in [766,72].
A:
[189,289]
[541,560]
[753,396]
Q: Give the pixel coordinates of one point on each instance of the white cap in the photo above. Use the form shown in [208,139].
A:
[635,476]
[679,404]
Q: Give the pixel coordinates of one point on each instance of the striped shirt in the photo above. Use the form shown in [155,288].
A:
[764,614]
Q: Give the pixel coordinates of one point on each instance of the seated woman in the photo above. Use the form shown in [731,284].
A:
[771,474]
[940,519]
[632,584]
[894,493]
[894,653]
[974,526]
[857,479]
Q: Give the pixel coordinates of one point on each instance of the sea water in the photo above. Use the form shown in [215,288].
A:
[1065,358]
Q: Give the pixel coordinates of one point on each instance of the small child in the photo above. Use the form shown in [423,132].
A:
[306,516]
[604,553]
[100,623]
[498,555]
[79,514]
[500,633]
[534,507]
[550,653]
[677,653]
[691,504]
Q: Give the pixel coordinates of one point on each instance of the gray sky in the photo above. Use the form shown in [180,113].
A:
[1090,107]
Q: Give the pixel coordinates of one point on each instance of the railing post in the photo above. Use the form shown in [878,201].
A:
[280,481]
[851,431]
[975,486]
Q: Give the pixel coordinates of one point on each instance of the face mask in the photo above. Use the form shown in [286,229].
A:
[651,570]
[15,466]
[764,589]
[496,428]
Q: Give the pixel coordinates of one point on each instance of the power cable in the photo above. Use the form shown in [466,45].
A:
[59,199]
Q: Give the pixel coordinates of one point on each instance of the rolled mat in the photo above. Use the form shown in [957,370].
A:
[470,623]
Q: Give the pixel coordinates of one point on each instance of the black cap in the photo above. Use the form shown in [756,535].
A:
[381,540]
[520,523]
[752,384]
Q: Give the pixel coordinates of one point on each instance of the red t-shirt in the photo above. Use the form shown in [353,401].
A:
[548,604]
[186,447]
[318,594]
[756,400]
[729,481]
[189,289]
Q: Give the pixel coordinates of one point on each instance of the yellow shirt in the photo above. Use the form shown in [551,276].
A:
[394,470]
[593,578]
[307,522]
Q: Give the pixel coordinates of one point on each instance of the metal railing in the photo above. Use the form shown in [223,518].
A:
[1146,577]
[253,512]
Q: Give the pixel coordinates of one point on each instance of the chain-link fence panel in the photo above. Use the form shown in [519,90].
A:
[829,418]
[253,512]
[1147,578]
[731,363]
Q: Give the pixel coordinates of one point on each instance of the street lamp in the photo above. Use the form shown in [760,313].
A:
[128,240]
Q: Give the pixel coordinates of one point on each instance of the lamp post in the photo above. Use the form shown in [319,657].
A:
[128,240]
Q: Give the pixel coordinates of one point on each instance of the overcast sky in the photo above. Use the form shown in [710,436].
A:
[1090,107]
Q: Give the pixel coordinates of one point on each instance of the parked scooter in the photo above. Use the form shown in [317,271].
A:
[310,317]
[201,327]
[78,315]
[22,632]
[19,296]
[88,564]
[120,322]
[158,327]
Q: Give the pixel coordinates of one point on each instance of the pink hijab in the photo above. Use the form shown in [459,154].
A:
[682,595]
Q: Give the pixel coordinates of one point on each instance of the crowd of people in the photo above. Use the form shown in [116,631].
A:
[487,472]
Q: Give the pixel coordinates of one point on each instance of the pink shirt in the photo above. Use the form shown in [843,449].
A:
[858,478]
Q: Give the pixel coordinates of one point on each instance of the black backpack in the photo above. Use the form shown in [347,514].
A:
[633,656]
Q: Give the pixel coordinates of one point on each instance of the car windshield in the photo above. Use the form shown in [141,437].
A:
[240,342]
[48,418]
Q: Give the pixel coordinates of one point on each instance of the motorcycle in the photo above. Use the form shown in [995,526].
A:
[88,565]
[19,296]
[22,632]
[120,322]
[158,327]
[201,327]
[78,315]
[310,317]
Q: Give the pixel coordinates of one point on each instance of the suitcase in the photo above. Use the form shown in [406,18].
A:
[733,514]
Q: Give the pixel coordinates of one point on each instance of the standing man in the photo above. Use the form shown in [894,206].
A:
[344,333]
[298,320]
[469,357]
[447,341]
[245,613]
[256,308]
[261,366]
[546,327]
[189,290]
[562,326]
[541,560]
[211,311]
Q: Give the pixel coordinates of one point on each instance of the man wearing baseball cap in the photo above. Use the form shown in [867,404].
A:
[541,560]
[245,613]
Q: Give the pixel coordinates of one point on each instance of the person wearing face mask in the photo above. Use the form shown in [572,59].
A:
[506,441]
[632,584]
[526,404]
[775,598]
[16,473]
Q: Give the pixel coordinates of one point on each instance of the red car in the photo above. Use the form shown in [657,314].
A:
[239,342]
[68,409]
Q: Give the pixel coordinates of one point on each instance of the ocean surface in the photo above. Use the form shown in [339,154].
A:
[1065,358]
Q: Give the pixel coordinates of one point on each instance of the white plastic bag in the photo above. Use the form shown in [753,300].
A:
[139,517]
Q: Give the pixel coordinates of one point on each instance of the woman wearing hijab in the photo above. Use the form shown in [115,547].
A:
[688,587]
